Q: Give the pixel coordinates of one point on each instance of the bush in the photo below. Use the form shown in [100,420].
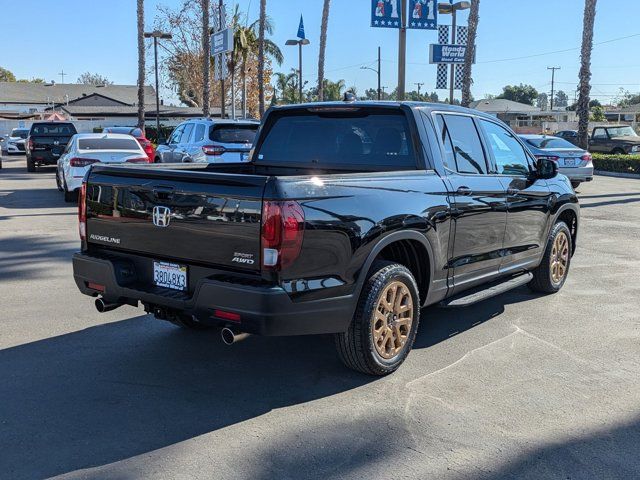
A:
[617,163]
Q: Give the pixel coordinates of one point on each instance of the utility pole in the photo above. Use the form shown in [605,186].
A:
[553,76]
[379,69]
[221,25]
[419,84]
[156,35]
[402,50]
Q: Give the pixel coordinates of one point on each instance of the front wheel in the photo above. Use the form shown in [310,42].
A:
[385,323]
[575,184]
[550,275]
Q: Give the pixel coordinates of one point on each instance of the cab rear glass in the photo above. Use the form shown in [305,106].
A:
[66,129]
[339,138]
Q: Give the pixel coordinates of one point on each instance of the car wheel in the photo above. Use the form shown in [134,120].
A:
[385,323]
[550,275]
[618,151]
[31,165]
[58,183]
[69,197]
[575,184]
[156,160]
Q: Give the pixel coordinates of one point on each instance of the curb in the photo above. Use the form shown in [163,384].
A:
[617,174]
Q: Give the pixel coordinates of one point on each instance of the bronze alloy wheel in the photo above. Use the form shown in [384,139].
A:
[391,320]
[559,258]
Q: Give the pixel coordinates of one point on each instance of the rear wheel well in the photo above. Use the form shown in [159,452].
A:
[571,219]
[413,255]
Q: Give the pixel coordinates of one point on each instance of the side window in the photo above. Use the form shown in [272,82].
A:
[175,136]
[467,149]
[186,135]
[599,134]
[199,136]
[510,156]
[443,134]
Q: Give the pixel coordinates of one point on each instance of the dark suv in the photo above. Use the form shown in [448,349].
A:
[46,142]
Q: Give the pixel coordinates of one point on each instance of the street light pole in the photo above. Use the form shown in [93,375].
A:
[157,34]
[553,77]
[300,43]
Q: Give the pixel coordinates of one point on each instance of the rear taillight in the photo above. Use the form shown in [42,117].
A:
[586,157]
[213,150]
[82,213]
[82,162]
[547,157]
[30,144]
[282,233]
[138,160]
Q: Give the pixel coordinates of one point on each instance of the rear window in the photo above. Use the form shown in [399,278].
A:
[136,132]
[53,129]
[334,139]
[549,142]
[20,133]
[233,133]
[107,144]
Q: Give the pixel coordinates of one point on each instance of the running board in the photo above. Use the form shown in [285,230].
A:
[483,292]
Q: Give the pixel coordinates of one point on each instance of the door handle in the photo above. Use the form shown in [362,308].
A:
[512,191]
[466,191]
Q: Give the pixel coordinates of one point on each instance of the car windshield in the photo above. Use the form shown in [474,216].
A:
[622,132]
[549,142]
[234,133]
[19,133]
[372,138]
[135,132]
[107,144]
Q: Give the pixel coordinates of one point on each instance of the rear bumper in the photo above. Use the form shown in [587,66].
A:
[579,174]
[43,157]
[263,310]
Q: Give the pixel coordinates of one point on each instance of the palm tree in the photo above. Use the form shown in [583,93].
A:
[323,47]
[286,85]
[333,90]
[584,87]
[141,66]
[470,53]
[206,47]
[262,23]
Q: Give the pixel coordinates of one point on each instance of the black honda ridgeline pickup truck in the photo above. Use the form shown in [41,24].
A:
[349,218]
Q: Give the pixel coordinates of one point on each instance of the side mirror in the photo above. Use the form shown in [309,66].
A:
[546,168]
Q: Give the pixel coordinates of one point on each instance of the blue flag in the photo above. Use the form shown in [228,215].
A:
[301,29]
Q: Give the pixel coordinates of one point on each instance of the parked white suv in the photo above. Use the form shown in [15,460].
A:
[209,141]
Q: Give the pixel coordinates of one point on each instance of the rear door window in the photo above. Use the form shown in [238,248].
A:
[467,148]
[199,135]
[186,133]
[244,134]
[339,139]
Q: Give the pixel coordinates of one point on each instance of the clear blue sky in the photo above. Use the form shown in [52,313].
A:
[99,36]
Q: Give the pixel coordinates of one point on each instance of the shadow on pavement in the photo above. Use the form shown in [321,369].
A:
[28,256]
[121,389]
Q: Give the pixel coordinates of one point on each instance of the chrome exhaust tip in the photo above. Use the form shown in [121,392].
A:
[103,306]
[229,337]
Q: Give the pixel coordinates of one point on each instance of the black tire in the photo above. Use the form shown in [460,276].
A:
[575,184]
[618,151]
[58,184]
[356,347]
[543,281]
[156,160]
[31,166]
[69,197]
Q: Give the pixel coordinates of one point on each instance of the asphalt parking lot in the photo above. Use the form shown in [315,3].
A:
[521,386]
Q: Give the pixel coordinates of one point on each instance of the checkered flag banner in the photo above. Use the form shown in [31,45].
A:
[459,75]
[442,76]
[220,70]
[443,34]
[462,35]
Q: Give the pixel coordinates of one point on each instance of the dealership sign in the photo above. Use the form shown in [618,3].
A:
[421,14]
[439,53]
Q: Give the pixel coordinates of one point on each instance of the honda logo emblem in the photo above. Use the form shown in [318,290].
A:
[161,216]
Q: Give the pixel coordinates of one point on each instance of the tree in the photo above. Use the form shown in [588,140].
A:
[333,90]
[561,99]
[6,75]
[141,63]
[33,80]
[542,102]
[584,76]
[594,103]
[88,78]
[470,53]
[597,114]
[323,48]
[286,87]
[626,98]
[206,61]
[519,93]
[261,27]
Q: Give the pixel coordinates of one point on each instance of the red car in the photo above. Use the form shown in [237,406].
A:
[138,134]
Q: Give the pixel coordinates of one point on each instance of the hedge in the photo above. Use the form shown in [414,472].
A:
[617,163]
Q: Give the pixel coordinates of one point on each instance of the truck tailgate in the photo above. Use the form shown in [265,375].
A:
[200,217]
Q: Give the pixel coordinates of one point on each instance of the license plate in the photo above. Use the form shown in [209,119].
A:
[170,275]
[569,162]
